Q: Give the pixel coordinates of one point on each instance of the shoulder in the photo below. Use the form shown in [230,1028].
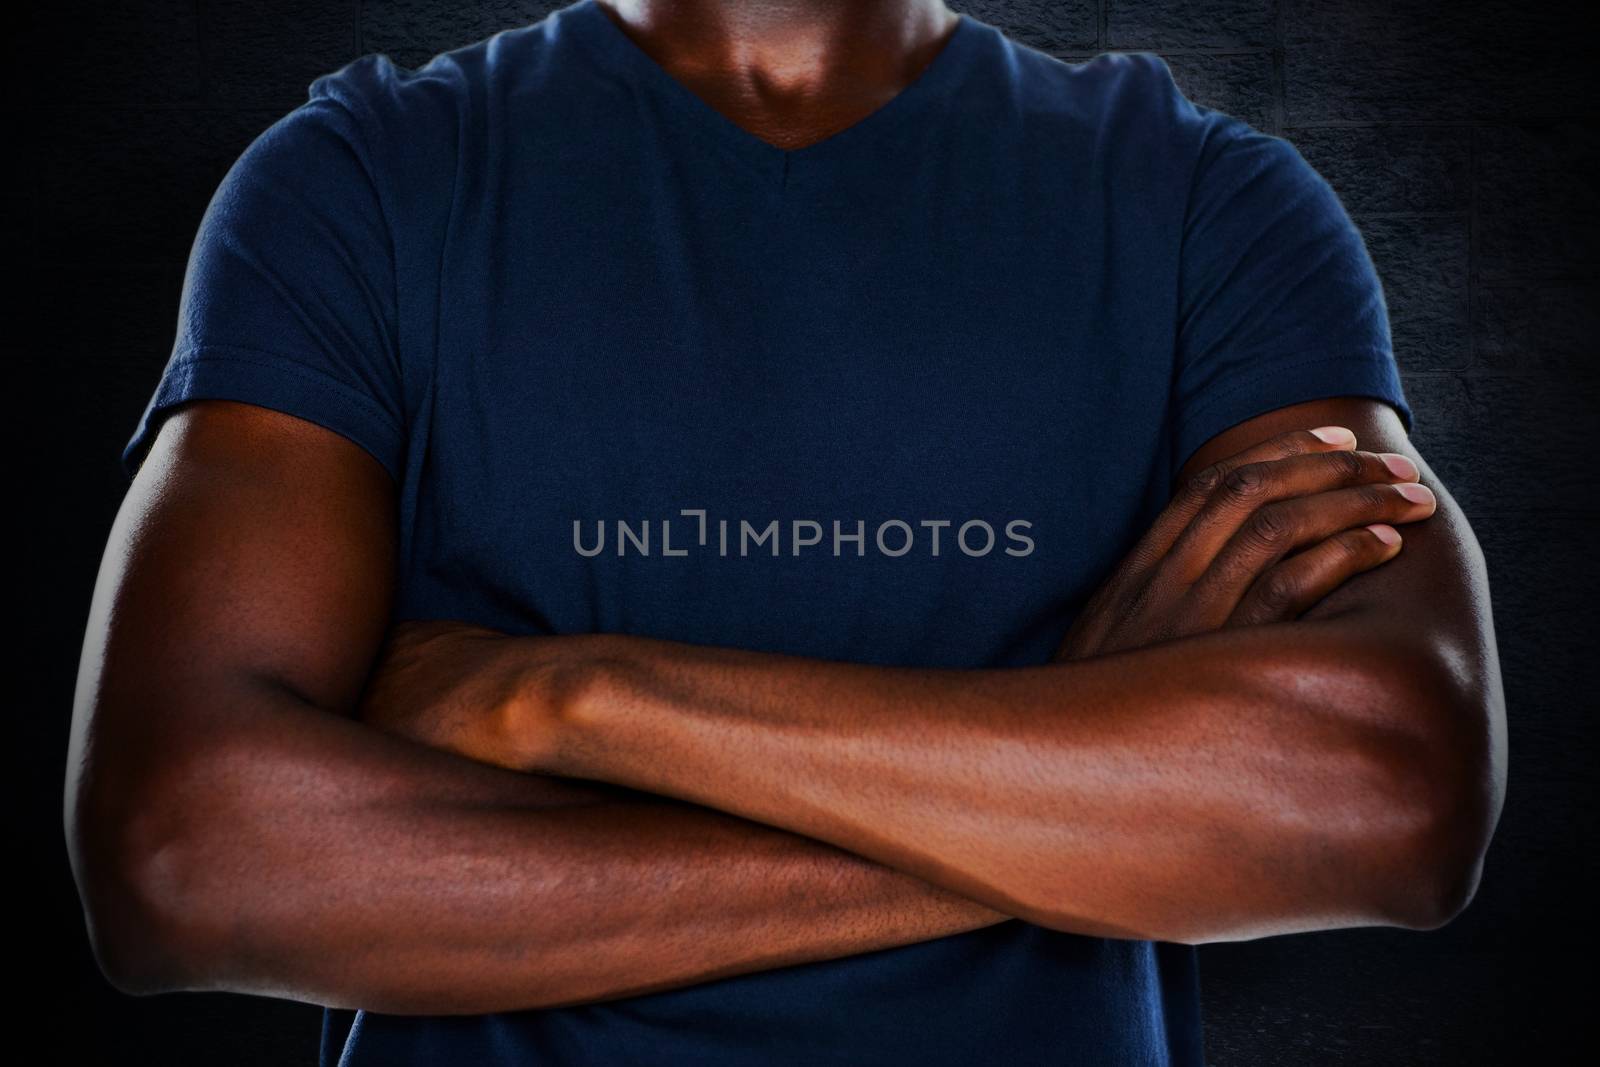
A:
[1111,87]
[1125,108]
[398,109]
[1133,101]
[457,107]
[456,90]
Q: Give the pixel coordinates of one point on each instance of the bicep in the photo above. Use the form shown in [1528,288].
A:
[252,546]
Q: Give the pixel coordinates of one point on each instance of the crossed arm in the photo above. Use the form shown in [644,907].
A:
[1175,774]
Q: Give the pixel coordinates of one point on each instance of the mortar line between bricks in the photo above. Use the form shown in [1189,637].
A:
[1517,280]
[1473,232]
[1221,52]
[1410,214]
[1560,516]
[1280,88]
[184,109]
[1470,122]
[1395,124]
[203,90]
[1488,374]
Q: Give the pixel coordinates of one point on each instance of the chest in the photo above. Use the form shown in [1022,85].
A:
[791,428]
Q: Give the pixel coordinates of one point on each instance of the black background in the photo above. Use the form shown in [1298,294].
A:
[1461,136]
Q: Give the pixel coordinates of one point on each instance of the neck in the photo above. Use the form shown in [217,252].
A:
[789,71]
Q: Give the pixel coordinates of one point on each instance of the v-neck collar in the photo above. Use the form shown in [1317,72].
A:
[618,52]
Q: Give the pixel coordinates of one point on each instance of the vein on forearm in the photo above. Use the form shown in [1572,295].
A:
[306,856]
[1249,780]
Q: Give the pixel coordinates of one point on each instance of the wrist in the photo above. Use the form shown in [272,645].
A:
[559,683]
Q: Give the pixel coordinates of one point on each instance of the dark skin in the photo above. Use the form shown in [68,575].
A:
[1219,751]
[233,826]
[791,73]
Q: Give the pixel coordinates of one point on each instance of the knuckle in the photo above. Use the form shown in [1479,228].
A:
[1295,443]
[1140,598]
[1270,526]
[1278,590]
[1299,442]
[1356,545]
[1245,482]
[1204,482]
[1346,465]
[1377,498]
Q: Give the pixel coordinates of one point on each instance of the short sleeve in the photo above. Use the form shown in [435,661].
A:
[289,295]
[1279,301]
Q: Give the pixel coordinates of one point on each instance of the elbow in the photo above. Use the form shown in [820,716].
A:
[1386,822]
[130,854]
[1448,772]
[1431,883]
[1435,899]
[1431,876]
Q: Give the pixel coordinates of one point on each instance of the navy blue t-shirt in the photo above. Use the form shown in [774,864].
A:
[902,396]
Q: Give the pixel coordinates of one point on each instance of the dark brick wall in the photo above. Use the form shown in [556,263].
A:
[1460,135]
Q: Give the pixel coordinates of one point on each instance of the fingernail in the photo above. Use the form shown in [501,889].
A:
[1335,435]
[1387,534]
[1400,466]
[1415,492]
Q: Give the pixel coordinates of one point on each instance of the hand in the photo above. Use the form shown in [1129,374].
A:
[465,689]
[1219,554]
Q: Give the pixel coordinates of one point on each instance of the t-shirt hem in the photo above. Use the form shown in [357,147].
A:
[1346,372]
[269,380]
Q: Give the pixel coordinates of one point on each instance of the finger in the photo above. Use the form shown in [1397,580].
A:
[1249,487]
[1277,529]
[1152,547]
[1299,582]
[1194,493]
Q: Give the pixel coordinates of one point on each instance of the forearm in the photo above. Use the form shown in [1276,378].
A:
[1240,783]
[309,857]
